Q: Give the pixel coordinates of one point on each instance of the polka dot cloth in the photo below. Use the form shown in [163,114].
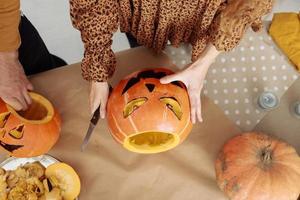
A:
[237,78]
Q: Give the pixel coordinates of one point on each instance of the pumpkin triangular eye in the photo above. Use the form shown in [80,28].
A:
[17,132]
[3,118]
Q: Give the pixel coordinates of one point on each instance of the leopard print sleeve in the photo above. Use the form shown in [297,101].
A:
[97,20]
[234,18]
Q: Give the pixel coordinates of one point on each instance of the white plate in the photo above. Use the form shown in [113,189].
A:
[13,163]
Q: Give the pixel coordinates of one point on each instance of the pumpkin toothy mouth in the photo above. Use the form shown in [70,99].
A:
[10,147]
[40,111]
[151,142]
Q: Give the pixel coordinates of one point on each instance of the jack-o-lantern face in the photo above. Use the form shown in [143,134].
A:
[29,133]
[16,133]
[147,116]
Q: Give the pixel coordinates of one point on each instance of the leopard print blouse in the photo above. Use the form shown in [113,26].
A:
[155,22]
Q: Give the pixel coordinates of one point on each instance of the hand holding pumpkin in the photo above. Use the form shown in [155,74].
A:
[14,84]
[194,84]
[193,77]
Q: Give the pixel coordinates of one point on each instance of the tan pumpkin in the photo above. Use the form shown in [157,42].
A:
[146,116]
[255,166]
[32,132]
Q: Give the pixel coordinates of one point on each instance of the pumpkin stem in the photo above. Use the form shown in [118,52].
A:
[266,156]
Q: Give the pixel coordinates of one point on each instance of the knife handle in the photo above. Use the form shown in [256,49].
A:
[96,116]
[110,89]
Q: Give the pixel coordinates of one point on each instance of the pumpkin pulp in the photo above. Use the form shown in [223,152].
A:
[40,111]
[151,142]
[65,178]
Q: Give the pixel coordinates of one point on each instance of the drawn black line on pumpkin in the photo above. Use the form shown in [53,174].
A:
[10,147]
[148,74]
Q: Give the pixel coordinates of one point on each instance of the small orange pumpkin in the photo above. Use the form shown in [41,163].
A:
[146,116]
[32,132]
[254,166]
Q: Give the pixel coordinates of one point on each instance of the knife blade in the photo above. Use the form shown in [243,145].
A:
[93,123]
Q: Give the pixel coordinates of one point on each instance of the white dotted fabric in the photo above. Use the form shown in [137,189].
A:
[237,78]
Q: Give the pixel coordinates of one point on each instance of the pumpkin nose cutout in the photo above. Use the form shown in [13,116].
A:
[150,87]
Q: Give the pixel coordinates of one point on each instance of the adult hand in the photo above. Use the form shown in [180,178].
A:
[14,84]
[98,97]
[193,77]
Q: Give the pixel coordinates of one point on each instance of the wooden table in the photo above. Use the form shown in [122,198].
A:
[108,171]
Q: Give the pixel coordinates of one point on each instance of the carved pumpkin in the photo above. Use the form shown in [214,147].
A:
[29,133]
[146,116]
[256,166]
[64,177]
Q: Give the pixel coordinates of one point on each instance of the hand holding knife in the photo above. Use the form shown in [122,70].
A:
[93,123]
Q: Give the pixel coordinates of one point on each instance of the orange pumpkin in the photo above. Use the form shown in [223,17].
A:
[254,166]
[146,116]
[29,133]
